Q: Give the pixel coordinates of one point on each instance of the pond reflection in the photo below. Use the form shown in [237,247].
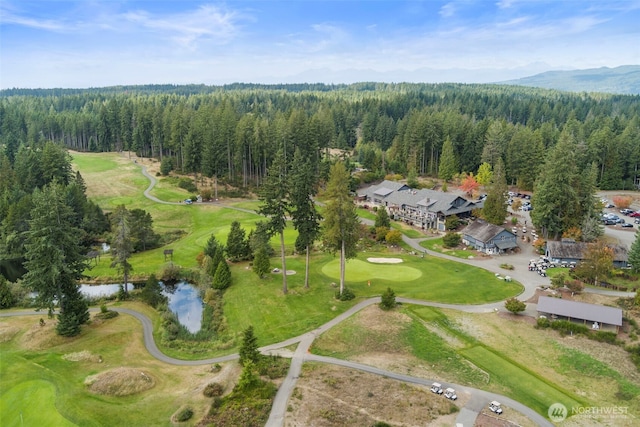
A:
[183,300]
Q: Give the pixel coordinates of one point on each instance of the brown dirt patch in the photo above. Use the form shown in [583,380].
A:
[39,337]
[82,356]
[487,418]
[328,396]
[120,382]
[7,332]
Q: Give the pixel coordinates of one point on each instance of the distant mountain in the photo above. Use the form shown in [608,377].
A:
[623,80]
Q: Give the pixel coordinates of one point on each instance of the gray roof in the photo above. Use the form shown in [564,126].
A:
[576,250]
[484,231]
[580,310]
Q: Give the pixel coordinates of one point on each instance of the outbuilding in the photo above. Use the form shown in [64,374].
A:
[599,316]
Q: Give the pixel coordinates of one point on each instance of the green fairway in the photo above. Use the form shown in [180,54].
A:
[530,389]
[358,270]
[31,403]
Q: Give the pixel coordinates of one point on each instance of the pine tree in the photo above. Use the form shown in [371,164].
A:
[54,259]
[121,244]
[276,205]
[448,163]
[634,254]
[341,224]
[305,216]
[556,201]
[222,276]
[495,205]
[249,349]
[237,245]
[261,263]
[382,218]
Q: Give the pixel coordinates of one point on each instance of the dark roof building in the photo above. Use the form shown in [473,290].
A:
[570,251]
[488,238]
[574,310]
[424,208]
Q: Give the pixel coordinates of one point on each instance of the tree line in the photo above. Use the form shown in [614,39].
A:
[233,132]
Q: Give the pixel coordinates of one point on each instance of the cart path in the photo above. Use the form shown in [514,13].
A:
[479,398]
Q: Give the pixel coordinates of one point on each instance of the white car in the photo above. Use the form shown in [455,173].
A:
[450,394]
[436,388]
[495,407]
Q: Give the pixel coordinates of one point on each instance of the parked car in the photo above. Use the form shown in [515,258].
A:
[450,394]
[626,211]
[637,220]
[188,201]
[436,388]
[635,214]
[495,407]
[626,225]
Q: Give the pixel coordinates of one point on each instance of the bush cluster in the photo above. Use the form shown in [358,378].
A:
[184,415]
[213,390]
[347,294]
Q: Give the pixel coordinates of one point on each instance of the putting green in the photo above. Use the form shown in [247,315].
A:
[358,271]
[31,403]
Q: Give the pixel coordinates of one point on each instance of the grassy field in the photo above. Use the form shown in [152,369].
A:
[460,347]
[37,363]
[436,245]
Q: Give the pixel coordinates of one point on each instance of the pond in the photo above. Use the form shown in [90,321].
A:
[183,300]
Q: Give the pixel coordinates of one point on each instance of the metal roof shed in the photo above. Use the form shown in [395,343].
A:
[581,311]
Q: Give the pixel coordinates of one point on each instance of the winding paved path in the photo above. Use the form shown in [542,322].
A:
[479,398]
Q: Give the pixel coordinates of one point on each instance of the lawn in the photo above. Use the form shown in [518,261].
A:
[41,386]
[436,245]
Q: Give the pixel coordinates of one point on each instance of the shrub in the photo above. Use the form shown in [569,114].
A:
[347,294]
[184,415]
[452,222]
[188,185]
[514,305]
[166,165]
[605,336]
[213,390]
[171,273]
[451,240]
[566,327]
[542,323]
[388,299]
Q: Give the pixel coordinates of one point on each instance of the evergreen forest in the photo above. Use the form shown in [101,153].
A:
[233,132]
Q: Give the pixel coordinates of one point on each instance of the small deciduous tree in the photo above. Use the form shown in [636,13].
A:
[249,348]
[596,264]
[514,305]
[622,202]
[388,299]
[469,184]
[484,174]
[393,237]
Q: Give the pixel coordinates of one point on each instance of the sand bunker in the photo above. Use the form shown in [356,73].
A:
[278,271]
[385,260]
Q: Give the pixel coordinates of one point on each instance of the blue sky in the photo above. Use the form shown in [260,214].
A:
[93,43]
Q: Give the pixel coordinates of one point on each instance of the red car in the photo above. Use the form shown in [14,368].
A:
[635,214]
